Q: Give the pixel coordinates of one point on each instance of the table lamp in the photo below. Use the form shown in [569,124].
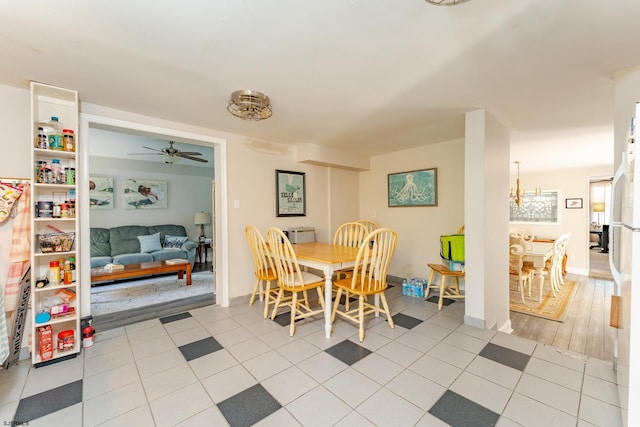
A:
[202,218]
[598,207]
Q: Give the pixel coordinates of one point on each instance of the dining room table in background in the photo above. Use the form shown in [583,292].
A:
[539,253]
[328,258]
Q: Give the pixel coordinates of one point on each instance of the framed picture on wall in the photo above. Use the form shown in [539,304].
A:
[413,188]
[291,198]
[574,203]
[100,192]
[145,194]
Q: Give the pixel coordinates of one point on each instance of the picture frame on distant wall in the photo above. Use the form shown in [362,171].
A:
[100,192]
[291,197]
[145,194]
[413,188]
[573,203]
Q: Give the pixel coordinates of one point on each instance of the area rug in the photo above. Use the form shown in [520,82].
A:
[551,308]
[140,293]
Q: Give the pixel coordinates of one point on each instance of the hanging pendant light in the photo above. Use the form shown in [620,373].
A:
[519,194]
[249,105]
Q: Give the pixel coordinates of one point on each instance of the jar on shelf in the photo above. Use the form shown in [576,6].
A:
[66,340]
[69,140]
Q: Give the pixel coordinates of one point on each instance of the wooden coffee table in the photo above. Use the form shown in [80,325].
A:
[142,269]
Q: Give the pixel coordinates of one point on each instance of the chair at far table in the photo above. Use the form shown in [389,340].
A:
[369,278]
[349,234]
[264,270]
[517,267]
[371,225]
[293,280]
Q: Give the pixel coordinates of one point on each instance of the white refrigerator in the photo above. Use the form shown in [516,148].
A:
[624,259]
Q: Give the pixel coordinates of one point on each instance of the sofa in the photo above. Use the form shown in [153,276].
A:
[133,244]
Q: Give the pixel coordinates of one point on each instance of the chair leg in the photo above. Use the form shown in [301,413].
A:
[361,317]
[335,306]
[294,301]
[385,307]
[267,298]
[277,303]
[442,278]
[255,291]
[320,296]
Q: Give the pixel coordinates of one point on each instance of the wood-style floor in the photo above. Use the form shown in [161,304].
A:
[586,327]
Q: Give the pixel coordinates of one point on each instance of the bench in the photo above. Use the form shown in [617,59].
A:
[143,269]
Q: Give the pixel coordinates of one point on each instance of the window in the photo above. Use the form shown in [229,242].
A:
[542,208]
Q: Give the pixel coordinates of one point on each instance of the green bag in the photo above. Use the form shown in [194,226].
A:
[452,247]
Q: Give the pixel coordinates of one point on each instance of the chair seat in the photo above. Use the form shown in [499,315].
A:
[444,290]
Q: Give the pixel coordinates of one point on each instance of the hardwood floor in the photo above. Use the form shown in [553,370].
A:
[586,327]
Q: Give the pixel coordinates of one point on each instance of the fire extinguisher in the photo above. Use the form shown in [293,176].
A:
[87,336]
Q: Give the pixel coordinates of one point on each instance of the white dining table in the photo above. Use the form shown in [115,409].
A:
[539,253]
[328,258]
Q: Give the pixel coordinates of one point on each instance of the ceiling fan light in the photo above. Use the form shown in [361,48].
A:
[171,159]
[249,105]
[446,2]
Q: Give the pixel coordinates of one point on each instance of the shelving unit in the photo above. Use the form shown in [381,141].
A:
[48,101]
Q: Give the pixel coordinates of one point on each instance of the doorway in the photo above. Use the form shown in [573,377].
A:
[89,122]
[599,218]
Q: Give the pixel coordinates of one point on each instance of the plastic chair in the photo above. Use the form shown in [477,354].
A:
[264,269]
[369,278]
[292,279]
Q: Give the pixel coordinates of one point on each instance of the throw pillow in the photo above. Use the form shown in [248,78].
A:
[150,243]
[173,242]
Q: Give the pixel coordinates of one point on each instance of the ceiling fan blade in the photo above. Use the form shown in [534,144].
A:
[197,159]
[144,154]
[149,148]
[190,153]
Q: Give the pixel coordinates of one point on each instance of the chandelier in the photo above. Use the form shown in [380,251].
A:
[249,105]
[519,194]
[446,2]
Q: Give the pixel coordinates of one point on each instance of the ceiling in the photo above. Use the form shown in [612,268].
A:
[372,76]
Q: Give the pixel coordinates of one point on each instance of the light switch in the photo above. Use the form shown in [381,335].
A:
[236,204]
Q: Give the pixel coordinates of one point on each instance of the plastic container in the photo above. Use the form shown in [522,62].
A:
[54,273]
[69,140]
[88,336]
[55,139]
[41,139]
[66,340]
[67,276]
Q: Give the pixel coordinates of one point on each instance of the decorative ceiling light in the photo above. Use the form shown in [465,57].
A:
[519,195]
[446,2]
[249,105]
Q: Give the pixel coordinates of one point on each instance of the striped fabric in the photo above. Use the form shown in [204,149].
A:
[20,249]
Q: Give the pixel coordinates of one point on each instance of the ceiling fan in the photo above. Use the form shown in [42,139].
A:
[173,154]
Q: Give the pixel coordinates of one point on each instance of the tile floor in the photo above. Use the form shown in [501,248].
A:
[216,366]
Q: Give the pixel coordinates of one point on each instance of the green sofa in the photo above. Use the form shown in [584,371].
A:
[132,244]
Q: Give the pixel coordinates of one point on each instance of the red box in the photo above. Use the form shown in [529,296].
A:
[45,342]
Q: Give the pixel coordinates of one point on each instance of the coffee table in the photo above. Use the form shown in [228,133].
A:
[142,269]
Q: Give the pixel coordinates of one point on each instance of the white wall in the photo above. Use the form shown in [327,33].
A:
[419,228]
[572,183]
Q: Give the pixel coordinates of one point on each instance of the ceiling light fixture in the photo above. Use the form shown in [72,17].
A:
[249,105]
[519,195]
[446,2]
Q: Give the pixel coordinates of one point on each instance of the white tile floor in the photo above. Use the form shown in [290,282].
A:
[138,375]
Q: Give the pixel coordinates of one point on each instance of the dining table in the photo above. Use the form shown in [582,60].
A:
[538,253]
[328,258]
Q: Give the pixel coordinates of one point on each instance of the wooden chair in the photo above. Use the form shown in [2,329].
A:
[554,269]
[517,268]
[292,279]
[369,278]
[444,290]
[370,224]
[264,269]
[349,234]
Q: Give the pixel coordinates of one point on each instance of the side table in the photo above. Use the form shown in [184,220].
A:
[202,250]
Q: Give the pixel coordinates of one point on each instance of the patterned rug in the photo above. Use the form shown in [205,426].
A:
[552,308]
[139,293]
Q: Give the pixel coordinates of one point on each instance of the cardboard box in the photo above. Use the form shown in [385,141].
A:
[45,342]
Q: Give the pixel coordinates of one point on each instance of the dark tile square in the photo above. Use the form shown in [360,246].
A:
[343,299]
[445,301]
[348,352]
[506,356]
[175,317]
[248,407]
[405,321]
[48,402]
[199,348]
[458,411]
[283,319]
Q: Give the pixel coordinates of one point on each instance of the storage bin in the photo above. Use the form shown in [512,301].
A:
[56,242]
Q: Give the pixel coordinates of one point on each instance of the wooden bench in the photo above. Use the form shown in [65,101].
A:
[445,291]
[142,269]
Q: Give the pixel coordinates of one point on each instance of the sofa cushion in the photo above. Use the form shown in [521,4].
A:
[100,261]
[150,243]
[168,254]
[167,230]
[99,240]
[173,242]
[124,239]
[126,259]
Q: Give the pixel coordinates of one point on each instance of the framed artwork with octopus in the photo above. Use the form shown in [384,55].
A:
[413,188]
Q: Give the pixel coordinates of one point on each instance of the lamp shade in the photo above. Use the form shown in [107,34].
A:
[202,218]
[598,206]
